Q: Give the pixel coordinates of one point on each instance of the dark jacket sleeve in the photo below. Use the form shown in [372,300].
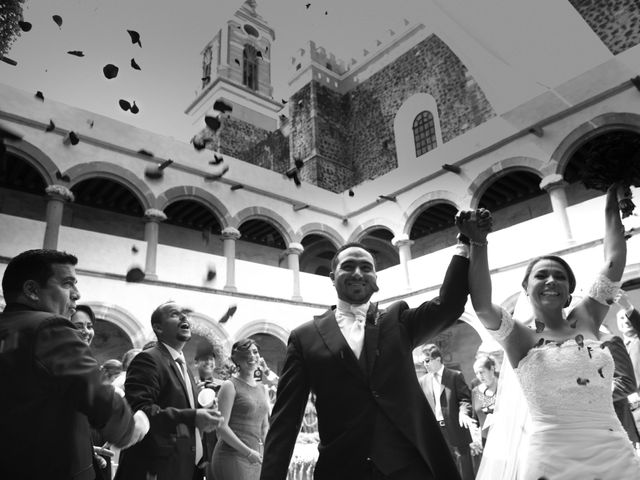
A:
[464,395]
[287,414]
[63,355]
[634,320]
[143,388]
[437,314]
[624,380]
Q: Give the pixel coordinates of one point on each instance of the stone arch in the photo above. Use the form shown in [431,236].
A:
[268,215]
[587,130]
[263,326]
[203,324]
[141,190]
[123,319]
[36,158]
[188,192]
[320,229]
[373,224]
[403,124]
[499,169]
[424,202]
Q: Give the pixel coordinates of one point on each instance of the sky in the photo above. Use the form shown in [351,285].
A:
[515,49]
[172,37]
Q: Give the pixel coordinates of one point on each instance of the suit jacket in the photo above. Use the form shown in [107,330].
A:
[51,397]
[349,399]
[455,397]
[155,385]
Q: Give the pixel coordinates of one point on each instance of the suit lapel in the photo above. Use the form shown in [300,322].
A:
[334,340]
[371,337]
[173,366]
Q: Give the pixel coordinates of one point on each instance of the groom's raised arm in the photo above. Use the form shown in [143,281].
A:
[441,312]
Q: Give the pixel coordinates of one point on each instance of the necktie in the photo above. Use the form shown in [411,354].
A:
[356,331]
[185,376]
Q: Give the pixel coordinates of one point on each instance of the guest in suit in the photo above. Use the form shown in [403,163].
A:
[160,384]
[450,400]
[51,389]
[373,420]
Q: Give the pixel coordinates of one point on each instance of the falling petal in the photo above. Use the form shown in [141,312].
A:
[8,60]
[51,127]
[24,26]
[110,71]
[582,381]
[134,108]
[134,249]
[124,105]
[351,193]
[135,37]
[307,6]
[134,275]
[221,106]
[237,61]
[90,122]
[58,20]
[212,122]
[144,152]
[76,53]
[39,95]
[198,144]
[134,64]
[284,102]
[600,372]
[211,273]
[73,138]
[153,173]
[298,163]
[217,160]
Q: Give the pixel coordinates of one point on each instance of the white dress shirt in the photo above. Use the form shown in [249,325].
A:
[436,383]
[351,320]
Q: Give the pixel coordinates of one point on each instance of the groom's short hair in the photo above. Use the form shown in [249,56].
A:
[334,260]
[432,351]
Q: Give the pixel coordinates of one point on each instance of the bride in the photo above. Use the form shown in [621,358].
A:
[564,374]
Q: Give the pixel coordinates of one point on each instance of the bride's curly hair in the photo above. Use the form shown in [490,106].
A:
[570,275]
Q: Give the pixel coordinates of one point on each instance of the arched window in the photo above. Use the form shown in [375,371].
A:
[424,133]
[250,67]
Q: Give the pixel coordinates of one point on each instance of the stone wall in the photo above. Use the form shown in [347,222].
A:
[616,22]
[429,67]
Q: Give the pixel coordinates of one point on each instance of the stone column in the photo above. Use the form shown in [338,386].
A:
[555,186]
[229,237]
[153,218]
[293,257]
[58,195]
[403,244]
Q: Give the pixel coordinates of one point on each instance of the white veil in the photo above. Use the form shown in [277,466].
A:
[506,443]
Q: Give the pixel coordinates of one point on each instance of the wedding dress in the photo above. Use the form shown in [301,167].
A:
[572,431]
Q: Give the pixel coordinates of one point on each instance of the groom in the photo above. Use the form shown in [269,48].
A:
[373,419]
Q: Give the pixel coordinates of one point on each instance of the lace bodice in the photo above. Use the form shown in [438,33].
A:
[562,379]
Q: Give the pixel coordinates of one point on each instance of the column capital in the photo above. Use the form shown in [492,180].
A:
[401,240]
[550,182]
[294,248]
[231,233]
[154,215]
[60,192]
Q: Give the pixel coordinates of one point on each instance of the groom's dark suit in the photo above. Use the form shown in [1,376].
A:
[154,384]
[371,411]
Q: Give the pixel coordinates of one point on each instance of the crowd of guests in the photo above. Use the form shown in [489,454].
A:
[348,375]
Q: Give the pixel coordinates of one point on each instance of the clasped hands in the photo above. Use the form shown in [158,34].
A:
[474,224]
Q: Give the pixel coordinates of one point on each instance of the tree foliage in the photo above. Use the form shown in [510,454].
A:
[10,15]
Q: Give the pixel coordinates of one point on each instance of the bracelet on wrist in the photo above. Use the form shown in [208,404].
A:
[479,244]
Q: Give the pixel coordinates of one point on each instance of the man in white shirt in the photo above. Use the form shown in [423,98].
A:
[373,420]
[160,383]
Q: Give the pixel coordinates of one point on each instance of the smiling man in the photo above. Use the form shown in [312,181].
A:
[160,384]
[51,388]
[373,419]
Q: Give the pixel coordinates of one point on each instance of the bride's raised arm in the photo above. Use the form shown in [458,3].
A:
[515,338]
[594,307]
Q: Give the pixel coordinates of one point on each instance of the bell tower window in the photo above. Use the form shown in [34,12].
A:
[250,67]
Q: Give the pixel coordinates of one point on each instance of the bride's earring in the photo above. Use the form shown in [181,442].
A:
[568,302]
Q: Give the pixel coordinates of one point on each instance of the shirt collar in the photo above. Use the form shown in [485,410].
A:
[175,354]
[347,308]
